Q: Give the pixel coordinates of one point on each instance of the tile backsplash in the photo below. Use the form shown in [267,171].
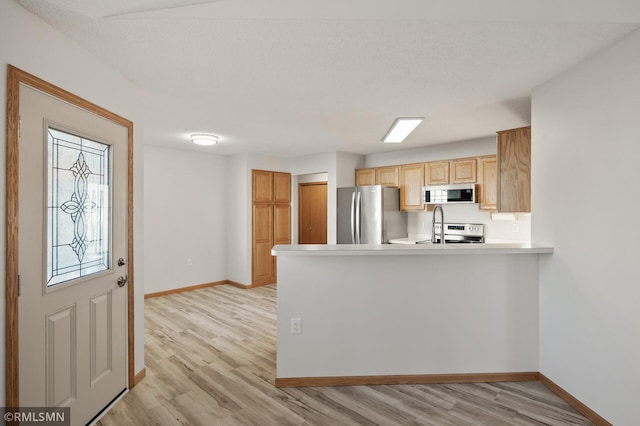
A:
[419,223]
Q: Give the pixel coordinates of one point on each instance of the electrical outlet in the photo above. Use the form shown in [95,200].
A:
[189,262]
[296,326]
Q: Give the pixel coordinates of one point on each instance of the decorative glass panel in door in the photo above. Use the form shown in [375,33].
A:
[78,241]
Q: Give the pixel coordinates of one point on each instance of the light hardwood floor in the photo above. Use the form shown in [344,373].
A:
[210,360]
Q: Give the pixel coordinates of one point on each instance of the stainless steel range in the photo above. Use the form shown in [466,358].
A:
[459,233]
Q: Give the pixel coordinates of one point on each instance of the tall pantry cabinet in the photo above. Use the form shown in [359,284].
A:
[271,222]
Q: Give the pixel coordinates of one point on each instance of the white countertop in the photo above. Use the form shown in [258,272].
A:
[407,249]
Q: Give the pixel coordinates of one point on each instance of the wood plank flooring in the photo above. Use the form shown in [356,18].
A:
[210,360]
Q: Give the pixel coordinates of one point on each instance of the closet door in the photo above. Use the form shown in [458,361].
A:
[271,222]
[263,262]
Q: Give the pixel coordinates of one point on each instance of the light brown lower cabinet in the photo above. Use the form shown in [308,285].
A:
[271,222]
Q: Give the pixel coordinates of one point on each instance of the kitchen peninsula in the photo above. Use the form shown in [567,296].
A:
[406,313]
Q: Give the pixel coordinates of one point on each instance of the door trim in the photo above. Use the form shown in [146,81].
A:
[15,77]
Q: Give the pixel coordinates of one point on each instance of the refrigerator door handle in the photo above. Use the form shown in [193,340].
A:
[358,230]
[353,218]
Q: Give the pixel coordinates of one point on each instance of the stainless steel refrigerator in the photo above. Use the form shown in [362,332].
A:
[370,215]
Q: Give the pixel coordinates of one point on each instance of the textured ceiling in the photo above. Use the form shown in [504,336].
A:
[296,77]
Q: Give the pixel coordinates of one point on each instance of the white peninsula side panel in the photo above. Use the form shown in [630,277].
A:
[379,315]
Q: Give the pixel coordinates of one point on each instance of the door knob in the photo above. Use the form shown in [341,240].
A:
[122,280]
[121,262]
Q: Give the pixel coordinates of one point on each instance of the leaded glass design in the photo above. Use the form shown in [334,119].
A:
[78,207]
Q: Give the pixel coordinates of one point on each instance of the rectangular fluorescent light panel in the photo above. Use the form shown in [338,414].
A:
[401,128]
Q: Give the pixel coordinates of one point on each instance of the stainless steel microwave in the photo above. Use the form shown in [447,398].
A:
[449,194]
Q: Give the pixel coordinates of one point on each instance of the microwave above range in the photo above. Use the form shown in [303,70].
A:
[449,194]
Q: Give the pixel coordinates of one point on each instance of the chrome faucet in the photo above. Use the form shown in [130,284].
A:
[433,224]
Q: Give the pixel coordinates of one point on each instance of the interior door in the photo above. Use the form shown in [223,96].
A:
[72,256]
[312,221]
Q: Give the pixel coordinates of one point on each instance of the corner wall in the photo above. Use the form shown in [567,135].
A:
[33,46]
[585,196]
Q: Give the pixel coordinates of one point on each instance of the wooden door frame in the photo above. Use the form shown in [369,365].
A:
[16,77]
[301,184]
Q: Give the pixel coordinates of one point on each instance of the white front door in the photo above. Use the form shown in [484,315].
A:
[72,252]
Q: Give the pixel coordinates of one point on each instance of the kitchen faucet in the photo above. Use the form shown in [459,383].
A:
[433,224]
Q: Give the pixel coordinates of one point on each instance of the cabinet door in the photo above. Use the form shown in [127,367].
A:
[282,224]
[437,173]
[411,183]
[463,171]
[489,184]
[262,186]
[365,177]
[263,265]
[514,170]
[387,176]
[282,187]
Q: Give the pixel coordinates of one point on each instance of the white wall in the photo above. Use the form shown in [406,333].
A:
[239,212]
[585,199]
[462,149]
[28,43]
[185,197]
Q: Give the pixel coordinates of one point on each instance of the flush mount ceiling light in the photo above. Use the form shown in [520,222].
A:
[401,128]
[204,139]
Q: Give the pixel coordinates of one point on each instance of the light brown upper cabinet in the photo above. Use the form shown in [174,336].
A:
[463,171]
[411,183]
[271,221]
[488,183]
[262,186]
[388,176]
[365,177]
[514,170]
[437,173]
[281,188]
